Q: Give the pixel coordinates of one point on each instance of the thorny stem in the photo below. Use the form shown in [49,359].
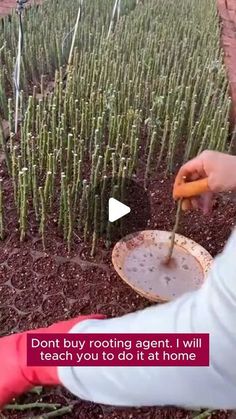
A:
[204,415]
[3,143]
[35,405]
[43,216]
[57,413]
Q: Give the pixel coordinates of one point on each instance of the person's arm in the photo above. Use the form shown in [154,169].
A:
[16,377]
[211,310]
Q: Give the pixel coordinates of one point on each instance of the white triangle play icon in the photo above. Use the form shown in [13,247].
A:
[117,210]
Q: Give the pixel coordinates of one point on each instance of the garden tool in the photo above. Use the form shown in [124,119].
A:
[138,258]
[187,190]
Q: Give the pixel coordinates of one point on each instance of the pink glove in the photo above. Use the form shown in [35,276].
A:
[15,376]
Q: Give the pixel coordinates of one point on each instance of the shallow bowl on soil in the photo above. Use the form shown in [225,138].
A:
[139,260]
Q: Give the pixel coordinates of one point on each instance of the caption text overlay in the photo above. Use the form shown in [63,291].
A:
[135,350]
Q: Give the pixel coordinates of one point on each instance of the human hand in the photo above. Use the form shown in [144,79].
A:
[16,376]
[12,380]
[215,173]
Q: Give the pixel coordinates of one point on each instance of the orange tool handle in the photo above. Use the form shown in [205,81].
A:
[190,189]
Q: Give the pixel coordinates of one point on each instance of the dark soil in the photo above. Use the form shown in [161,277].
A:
[38,288]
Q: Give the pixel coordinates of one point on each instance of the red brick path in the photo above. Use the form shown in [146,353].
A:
[6,6]
[227,13]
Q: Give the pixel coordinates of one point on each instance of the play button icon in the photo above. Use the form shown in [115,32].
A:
[122,207]
[117,210]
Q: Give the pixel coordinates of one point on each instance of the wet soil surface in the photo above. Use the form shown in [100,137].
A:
[38,288]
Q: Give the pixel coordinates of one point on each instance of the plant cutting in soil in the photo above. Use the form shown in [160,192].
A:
[139,97]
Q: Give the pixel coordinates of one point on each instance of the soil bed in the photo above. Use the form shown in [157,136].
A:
[38,288]
[41,288]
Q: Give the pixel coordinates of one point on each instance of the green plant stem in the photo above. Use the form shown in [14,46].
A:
[3,143]
[204,415]
[36,390]
[59,412]
[172,240]
[29,406]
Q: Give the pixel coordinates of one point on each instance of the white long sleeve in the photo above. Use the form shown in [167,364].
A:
[212,309]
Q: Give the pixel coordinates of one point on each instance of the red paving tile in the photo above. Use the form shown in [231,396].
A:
[227,13]
[6,6]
